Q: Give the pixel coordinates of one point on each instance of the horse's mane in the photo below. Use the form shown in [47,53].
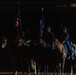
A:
[59,45]
[57,40]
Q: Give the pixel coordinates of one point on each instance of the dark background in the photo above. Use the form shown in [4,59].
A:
[55,13]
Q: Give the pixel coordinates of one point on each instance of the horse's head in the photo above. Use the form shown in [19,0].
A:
[55,41]
[54,44]
[57,45]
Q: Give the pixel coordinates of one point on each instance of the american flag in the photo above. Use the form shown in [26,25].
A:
[18,19]
[20,32]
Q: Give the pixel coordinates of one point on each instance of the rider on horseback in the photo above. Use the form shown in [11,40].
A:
[48,36]
[67,42]
[47,39]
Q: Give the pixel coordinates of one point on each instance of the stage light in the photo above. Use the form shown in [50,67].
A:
[73,5]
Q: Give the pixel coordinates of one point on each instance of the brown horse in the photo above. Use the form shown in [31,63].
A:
[58,46]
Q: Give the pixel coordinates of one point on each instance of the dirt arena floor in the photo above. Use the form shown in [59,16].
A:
[32,73]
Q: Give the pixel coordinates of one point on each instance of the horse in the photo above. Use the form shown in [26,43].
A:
[33,63]
[60,49]
[17,54]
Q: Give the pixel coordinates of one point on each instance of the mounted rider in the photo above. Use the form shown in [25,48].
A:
[67,42]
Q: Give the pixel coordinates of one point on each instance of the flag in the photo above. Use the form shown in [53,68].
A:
[18,19]
[41,24]
[20,32]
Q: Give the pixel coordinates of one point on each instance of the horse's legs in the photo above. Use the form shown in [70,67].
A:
[14,64]
[28,68]
[39,68]
[35,71]
[56,69]
[63,63]
[75,52]
[60,68]
[71,69]
[55,72]
[38,71]
[16,73]
[22,64]
[45,69]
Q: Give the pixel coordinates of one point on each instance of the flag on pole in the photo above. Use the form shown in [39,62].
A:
[20,32]
[41,24]
[18,19]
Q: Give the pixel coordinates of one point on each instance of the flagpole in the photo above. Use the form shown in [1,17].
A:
[18,20]
[18,2]
[41,23]
[42,17]
[46,68]
[42,9]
